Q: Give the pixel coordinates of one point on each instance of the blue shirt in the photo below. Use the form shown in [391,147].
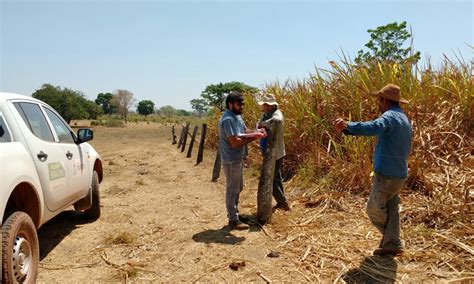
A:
[393,130]
[230,125]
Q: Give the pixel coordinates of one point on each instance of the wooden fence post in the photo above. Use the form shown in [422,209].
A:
[191,144]
[216,171]
[185,136]
[265,185]
[180,141]
[201,144]
[173,132]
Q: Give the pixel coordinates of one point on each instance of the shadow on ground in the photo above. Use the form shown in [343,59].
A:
[373,269]
[219,236]
[224,235]
[56,229]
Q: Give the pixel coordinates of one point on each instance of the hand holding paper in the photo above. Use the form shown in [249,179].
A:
[258,134]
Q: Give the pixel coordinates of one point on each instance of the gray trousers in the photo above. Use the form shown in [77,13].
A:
[278,192]
[383,209]
[234,185]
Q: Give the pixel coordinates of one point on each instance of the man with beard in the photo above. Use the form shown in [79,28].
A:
[232,150]
[393,130]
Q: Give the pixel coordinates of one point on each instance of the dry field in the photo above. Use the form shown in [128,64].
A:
[164,221]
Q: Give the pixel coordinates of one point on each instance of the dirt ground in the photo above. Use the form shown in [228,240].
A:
[163,220]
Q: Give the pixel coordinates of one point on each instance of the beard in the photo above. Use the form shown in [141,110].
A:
[237,112]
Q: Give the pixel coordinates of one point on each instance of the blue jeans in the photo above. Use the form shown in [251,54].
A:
[234,185]
[383,209]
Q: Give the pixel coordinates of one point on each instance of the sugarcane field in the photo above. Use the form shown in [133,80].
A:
[237,142]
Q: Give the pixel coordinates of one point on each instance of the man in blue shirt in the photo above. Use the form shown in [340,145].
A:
[393,130]
[232,150]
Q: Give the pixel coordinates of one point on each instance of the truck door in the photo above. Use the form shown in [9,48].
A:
[49,159]
[77,166]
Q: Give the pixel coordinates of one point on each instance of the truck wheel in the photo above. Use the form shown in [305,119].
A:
[94,211]
[20,249]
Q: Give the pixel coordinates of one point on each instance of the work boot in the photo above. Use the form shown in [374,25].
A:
[237,225]
[244,219]
[388,251]
[282,206]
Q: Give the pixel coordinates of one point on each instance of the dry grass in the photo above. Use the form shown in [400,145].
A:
[120,238]
[177,221]
[330,173]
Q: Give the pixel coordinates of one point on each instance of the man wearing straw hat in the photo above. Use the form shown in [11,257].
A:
[232,141]
[393,130]
[269,106]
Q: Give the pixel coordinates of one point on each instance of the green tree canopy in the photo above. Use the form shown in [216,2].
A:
[200,106]
[183,112]
[68,103]
[214,95]
[167,111]
[145,107]
[386,43]
[92,109]
[104,100]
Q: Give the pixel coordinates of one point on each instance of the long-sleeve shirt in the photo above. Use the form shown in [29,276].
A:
[394,133]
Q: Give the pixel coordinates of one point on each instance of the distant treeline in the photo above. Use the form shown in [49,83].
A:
[72,104]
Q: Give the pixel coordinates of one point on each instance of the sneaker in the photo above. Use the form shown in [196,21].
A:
[388,251]
[238,225]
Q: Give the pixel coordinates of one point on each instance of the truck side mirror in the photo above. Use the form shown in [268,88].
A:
[84,135]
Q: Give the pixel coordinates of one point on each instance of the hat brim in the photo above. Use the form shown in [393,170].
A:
[379,94]
[268,103]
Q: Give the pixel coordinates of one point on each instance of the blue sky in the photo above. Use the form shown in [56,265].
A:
[169,52]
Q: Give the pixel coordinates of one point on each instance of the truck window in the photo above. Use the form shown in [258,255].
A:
[4,132]
[35,120]
[63,132]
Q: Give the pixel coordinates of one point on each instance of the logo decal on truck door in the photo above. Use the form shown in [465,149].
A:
[56,171]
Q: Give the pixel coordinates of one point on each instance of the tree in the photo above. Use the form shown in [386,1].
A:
[182,112]
[92,109]
[214,95]
[123,100]
[167,111]
[145,107]
[386,43]
[68,103]
[200,106]
[104,100]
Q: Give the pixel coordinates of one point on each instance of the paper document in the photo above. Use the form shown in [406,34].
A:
[248,135]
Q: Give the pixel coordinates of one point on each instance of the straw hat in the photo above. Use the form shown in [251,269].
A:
[390,92]
[268,99]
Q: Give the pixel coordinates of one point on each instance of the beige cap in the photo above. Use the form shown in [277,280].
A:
[268,99]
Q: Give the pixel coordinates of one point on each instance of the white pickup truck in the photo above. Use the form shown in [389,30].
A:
[44,168]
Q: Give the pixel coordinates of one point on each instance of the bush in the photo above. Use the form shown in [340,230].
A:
[96,123]
[114,123]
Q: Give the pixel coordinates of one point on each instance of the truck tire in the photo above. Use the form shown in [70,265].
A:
[94,211]
[20,249]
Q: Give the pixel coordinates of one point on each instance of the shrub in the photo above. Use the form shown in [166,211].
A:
[112,122]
